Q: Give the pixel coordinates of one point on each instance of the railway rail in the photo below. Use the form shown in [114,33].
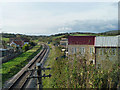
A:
[20,80]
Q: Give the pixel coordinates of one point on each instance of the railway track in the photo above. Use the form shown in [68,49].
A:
[20,80]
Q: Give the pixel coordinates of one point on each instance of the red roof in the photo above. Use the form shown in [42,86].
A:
[81,40]
[20,43]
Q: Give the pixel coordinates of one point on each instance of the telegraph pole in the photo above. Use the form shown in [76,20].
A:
[39,74]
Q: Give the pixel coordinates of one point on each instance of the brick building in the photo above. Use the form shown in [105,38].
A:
[82,46]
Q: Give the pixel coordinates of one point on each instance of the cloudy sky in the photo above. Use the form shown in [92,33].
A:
[45,18]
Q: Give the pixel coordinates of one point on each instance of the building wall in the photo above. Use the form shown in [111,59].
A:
[106,56]
[83,51]
[64,43]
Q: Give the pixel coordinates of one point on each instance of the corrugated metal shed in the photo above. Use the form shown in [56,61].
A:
[118,40]
[107,41]
[81,40]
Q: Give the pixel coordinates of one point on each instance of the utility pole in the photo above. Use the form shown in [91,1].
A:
[39,74]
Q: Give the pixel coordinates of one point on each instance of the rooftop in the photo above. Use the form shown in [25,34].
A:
[81,40]
[109,41]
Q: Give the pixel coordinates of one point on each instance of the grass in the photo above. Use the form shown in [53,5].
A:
[49,63]
[55,37]
[79,35]
[87,35]
[5,39]
[51,60]
[36,41]
[13,66]
[83,34]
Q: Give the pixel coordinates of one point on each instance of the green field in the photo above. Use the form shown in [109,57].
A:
[13,66]
[82,34]
[55,37]
[79,35]
[5,39]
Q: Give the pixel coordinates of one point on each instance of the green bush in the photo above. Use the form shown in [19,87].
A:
[26,47]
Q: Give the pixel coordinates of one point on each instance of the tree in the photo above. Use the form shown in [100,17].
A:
[32,44]
[26,47]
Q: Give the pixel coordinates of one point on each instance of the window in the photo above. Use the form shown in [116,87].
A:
[100,51]
[82,50]
[75,50]
[91,50]
[72,50]
[110,52]
[105,50]
[113,51]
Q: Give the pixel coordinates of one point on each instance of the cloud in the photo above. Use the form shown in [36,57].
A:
[89,26]
[59,1]
[48,18]
[62,29]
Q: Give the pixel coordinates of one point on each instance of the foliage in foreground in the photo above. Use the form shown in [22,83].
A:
[75,73]
[11,67]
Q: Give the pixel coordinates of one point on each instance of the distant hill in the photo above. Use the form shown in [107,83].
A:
[33,37]
[11,35]
[113,32]
[73,33]
[107,33]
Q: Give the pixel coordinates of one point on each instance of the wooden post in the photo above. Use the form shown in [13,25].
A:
[39,73]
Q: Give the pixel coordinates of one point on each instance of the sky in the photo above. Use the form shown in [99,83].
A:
[46,18]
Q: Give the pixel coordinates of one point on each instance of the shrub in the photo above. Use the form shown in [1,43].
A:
[26,47]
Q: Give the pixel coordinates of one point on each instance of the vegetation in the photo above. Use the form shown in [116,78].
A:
[111,33]
[75,73]
[6,36]
[66,73]
[26,47]
[54,53]
[5,39]
[11,67]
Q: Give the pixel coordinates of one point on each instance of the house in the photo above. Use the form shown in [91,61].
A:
[107,50]
[82,46]
[17,43]
[64,42]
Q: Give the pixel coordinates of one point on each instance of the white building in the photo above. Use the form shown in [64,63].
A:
[107,49]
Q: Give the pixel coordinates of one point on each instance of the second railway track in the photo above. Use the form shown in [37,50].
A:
[20,80]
